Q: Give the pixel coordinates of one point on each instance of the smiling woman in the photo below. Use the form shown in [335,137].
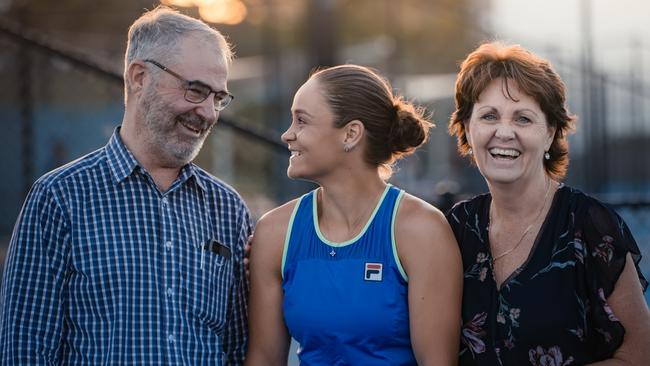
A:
[550,273]
[357,271]
[508,133]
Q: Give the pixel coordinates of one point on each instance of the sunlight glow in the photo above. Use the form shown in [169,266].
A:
[179,3]
[224,11]
[215,11]
[204,3]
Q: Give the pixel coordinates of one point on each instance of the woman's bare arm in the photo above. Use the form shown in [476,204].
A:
[431,259]
[269,338]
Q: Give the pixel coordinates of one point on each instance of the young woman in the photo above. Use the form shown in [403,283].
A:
[357,271]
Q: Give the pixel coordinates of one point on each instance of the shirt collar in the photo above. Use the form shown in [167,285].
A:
[190,171]
[119,158]
[122,163]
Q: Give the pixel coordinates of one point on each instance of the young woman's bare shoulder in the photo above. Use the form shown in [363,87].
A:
[415,213]
[272,226]
[421,226]
[424,238]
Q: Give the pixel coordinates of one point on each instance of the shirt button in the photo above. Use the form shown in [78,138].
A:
[164,201]
[170,339]
[170,292]
[168,245]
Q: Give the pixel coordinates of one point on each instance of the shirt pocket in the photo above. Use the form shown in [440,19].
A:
[208,285]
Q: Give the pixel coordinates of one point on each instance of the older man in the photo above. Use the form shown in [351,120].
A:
[132,254]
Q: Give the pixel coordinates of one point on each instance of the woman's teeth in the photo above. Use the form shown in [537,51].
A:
[508,153]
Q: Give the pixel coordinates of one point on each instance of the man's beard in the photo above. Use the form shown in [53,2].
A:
[161,124]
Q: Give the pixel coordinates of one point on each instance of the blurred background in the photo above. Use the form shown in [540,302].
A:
[61,91]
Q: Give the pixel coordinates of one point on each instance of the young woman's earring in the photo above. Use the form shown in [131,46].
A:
[547,156]
[347,148]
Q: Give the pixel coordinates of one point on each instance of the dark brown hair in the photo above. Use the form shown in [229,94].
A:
[394,127]
[534,76]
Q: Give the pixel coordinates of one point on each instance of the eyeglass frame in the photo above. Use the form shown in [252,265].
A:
[188,85]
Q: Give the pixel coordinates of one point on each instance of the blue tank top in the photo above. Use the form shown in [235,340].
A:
[346,303]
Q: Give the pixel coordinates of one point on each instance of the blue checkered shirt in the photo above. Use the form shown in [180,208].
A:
[104,269]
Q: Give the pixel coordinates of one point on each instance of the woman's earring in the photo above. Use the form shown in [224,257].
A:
[547,156]
[347,148]
[470,151]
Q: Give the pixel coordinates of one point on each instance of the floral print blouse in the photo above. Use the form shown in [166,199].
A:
[552,310]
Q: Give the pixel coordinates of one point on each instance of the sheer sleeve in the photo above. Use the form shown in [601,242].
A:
[468,224]
[608,240]
[466,216]
[456,216]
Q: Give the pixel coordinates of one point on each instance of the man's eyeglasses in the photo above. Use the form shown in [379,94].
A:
[196,92]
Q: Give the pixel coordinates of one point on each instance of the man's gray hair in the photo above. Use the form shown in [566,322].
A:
[155,34]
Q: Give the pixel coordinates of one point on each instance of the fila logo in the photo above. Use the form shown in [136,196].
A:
[373,272]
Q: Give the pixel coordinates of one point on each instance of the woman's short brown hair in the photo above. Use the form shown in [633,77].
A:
[534,76]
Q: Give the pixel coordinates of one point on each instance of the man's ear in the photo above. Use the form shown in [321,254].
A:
[135,75]
[354,131]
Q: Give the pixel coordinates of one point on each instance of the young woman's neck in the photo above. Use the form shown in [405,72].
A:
[348,200]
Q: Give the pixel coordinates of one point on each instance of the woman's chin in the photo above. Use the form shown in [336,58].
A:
[293,173]
[503,177]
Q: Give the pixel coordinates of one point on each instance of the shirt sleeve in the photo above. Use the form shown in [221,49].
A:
[456,216]
[608,240]
[468,229]
[236,333]
[31,298]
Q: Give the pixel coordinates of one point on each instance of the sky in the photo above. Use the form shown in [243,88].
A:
[557,25]
[620,50]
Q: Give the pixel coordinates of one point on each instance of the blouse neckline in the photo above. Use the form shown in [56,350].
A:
[538,237]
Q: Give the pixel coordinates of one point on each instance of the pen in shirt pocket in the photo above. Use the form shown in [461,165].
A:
[222,251]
